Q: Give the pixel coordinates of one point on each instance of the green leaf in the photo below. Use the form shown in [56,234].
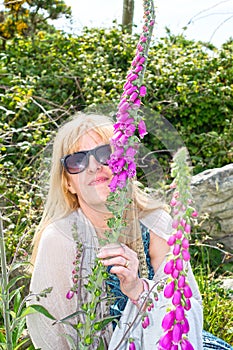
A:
[13,281]
[70,316]
[101,345]
[104,322]
[41,309]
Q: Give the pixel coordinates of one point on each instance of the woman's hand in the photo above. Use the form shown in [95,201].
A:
[124,262]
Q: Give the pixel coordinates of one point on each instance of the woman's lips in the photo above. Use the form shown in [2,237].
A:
[99,180]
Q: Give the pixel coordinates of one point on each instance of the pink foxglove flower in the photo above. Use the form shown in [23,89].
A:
[185,255]
[169,289]
[179,242]
[194,214]
[185,325]
[186,345]
[177,332]
[168,268]
[181,281]
[142,128]
[132,346]
[179,313]
[168,320]
[175,223]
[69,295]
[142,91]
[187,291]
[145,322]
[171,240]
[165,341]
[176,300]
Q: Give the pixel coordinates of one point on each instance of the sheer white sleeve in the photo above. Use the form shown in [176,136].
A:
[53,268]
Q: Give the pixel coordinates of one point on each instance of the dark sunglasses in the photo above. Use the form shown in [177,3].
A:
[77,162]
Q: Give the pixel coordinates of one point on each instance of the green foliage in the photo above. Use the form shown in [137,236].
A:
[24,17]
[217,305]
[211,265]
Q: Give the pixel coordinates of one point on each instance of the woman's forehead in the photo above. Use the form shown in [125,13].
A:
[89,140]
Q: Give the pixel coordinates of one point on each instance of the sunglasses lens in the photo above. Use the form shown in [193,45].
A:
[103,154]
[75,163]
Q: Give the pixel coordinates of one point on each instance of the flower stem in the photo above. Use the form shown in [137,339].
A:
[4,289]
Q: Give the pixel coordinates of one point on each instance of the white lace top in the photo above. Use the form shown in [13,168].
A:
[53,268]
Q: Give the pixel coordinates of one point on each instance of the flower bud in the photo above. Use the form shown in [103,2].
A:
[186,345]
[169,289]
[182,222]
[142,128]
[176,300]
[138,69]
[187,305]
[173,202]
[70,294]
[174,347]
[175,273]
[168,268]
[142,91]
[171,240]
[185,243]
[187,291]
[181,281]
[187,228]
[166,340]
[179,264]
[179,234]
[177,333]
[133,96]
[185,325]
[194,214]
[175,223]
[180,313]
[132,346]
[168,320]
[145,322]
[176,249]
[185,255]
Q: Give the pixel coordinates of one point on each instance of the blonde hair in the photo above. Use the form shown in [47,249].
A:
[61,202]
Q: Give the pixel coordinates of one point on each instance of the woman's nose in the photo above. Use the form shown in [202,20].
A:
[93,165]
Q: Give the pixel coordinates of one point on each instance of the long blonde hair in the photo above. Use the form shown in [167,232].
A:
[61,202]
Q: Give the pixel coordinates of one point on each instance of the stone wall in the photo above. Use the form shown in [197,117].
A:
[212,191]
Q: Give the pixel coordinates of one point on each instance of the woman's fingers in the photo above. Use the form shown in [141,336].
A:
[124,263]
[116,249]
[118,260]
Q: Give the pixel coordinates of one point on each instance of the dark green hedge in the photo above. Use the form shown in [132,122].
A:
[44,80]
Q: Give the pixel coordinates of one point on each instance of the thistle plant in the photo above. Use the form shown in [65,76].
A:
[175,323]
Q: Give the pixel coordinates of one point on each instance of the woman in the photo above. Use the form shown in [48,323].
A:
[79,186]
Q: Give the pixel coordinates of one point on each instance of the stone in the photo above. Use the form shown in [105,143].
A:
[212,192]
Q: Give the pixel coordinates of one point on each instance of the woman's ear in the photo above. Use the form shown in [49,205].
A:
[70,188]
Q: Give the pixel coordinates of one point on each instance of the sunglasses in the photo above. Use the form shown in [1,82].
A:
[77,162]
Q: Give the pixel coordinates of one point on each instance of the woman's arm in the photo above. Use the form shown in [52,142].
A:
[53,268]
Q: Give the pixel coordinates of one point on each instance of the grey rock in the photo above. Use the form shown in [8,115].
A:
[212,191]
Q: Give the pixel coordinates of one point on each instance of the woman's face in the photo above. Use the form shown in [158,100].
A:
[91,185]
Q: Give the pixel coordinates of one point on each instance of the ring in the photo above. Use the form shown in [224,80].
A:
[126,263]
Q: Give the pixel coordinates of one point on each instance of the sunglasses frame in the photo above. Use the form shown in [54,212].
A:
[87,154]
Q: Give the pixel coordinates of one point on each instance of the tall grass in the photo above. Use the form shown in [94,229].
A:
[211,265]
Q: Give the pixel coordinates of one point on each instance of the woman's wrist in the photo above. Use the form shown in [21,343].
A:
[142,295]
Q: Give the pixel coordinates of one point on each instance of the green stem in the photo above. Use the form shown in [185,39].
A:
[5,291]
